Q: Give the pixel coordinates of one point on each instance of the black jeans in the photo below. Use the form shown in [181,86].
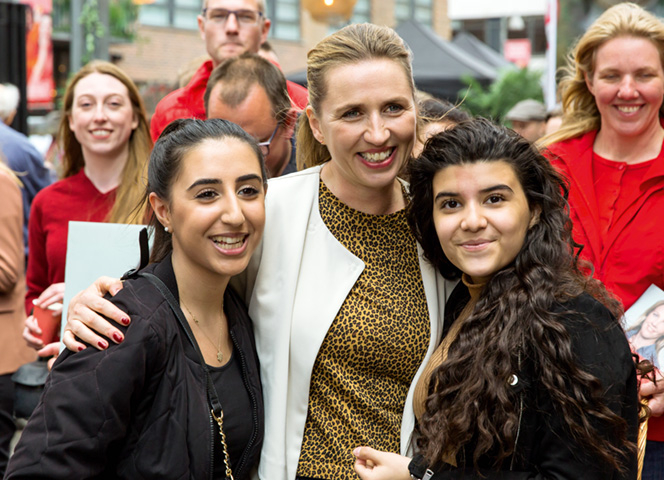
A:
[7,424]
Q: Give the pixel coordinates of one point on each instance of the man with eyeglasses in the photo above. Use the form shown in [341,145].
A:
[251,91]
[229,28]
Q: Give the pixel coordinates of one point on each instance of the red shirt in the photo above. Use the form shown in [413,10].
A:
[616,187]
[73,198]
[187,102]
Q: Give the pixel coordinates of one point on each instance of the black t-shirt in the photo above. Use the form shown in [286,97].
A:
[238,421]
[236,404]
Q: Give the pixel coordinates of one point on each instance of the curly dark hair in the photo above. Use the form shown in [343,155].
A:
[471,403]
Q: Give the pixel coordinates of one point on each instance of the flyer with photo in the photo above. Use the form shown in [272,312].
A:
[644,325]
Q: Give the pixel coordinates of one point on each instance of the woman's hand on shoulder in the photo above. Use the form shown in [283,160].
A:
[373,464]
[84,316]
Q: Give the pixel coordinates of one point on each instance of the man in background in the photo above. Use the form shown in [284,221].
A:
[528,119]
[251,91]
[228,28]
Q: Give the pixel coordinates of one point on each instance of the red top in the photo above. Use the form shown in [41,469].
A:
[187,102]
[73,198]
[616,187]
[628,253]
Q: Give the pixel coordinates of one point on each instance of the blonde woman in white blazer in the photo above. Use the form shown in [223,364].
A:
[313,301]
[318,272]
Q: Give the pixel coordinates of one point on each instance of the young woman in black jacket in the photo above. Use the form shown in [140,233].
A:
[534,378]
[181,397]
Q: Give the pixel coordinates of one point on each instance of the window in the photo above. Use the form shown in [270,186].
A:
[361,12]
[419,10]
[494,31]
[171,13]
[285,17]
[534,31]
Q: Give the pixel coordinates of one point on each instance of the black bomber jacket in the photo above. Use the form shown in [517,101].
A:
[139,409]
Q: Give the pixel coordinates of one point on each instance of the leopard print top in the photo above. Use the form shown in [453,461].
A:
[373,349]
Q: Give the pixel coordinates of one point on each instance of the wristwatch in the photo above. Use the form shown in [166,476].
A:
[418,469]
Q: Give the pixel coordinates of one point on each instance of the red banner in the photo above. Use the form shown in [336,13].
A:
[39,53]
[518,51]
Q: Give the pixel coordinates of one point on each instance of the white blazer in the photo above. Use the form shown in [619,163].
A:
[294,286]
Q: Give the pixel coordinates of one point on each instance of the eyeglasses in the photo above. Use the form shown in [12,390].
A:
[243,17]
[265,146]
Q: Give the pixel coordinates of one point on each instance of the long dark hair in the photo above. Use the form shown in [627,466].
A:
[472,402]
[178,138]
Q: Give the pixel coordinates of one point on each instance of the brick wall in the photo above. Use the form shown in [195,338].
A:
[160,54]
[441,22]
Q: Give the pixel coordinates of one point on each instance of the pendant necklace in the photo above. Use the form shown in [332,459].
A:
[220,355]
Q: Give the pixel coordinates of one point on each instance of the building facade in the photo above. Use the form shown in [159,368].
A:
[167,45]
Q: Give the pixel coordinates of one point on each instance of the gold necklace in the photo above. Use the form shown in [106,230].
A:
[220,355]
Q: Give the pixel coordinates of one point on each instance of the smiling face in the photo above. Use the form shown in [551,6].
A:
[231,38]
[102,117]
[653,325]
[367,121]
[481,216]
[217,208]
[628,86]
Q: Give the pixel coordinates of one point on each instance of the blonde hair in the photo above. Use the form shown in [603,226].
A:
[351,44]
[580,113]
[129,206]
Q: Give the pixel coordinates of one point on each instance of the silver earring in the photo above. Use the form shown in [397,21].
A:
[166,229]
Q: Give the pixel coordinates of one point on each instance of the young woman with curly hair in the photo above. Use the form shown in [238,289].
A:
[534,377]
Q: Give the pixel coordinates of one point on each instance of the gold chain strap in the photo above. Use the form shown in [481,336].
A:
[641,441]
[220,422]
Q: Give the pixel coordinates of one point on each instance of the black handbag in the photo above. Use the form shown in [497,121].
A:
[29,382]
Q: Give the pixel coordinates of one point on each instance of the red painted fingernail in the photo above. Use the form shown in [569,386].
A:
[102,344]
[117,337]
[125,321]
[80,349]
